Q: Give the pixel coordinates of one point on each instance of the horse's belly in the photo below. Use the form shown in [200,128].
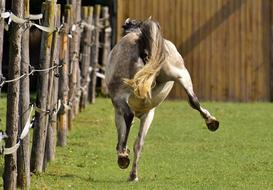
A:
[159,93]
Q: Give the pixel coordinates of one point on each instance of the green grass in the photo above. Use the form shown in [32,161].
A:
[179,151]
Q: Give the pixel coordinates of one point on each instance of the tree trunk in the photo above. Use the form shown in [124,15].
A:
[40,127]
[10,168]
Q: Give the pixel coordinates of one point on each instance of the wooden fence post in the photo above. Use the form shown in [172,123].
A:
[77,65]
[94,55]
[106,44]
[40,128]
[2,9]
[23,158]
[10,168]
[63,85]
[72,56]
[87,14]
[52,100]
[271,54]
[74,84]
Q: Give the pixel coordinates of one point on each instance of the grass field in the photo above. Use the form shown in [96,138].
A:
[179,151]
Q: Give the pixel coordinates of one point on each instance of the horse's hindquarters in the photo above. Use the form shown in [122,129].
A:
[159,93]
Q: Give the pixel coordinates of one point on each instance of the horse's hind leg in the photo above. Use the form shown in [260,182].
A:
[145,123]
[183,77]
[123,121]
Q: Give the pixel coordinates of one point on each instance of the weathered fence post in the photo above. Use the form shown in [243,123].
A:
[41,116]
[72,56]
[74,86]
[52,101]
[77,75]
[23,158]
[106,44]
[2,9]
[10,168]
[87,14]
[63,83]
[271,54]
[94,55]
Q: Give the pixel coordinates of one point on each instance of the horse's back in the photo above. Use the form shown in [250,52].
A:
[123,63]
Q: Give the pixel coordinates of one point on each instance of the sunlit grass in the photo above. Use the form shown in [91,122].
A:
[179,151]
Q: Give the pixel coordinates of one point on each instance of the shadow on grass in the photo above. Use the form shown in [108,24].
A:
[2,169]
[87,178]
[1,173]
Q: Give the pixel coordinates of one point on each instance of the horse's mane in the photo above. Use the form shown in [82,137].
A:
[131,26]
[152,51]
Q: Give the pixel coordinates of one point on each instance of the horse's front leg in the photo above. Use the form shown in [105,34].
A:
[182,76]
[123,121]
[145,123]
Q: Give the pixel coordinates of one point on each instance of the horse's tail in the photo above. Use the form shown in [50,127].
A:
[152,51]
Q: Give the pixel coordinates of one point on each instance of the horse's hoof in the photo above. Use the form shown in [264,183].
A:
[133,178]
[213,125]
[123,162]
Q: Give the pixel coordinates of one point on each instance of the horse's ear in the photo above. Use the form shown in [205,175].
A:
[150,18]
[127,21]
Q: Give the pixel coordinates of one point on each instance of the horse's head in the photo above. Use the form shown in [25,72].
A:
[131,26]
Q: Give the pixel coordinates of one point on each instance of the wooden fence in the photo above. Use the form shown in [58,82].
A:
[226,44]
[67,74]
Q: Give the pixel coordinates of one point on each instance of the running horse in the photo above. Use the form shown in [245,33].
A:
[142,69]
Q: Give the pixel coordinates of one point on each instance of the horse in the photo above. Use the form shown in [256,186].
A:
[141,71]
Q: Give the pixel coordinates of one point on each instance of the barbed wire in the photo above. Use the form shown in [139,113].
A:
[13,18]
[66,105]
[9,150]
[32,71]
[28,125]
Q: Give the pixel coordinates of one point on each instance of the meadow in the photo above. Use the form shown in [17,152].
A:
[179,151]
